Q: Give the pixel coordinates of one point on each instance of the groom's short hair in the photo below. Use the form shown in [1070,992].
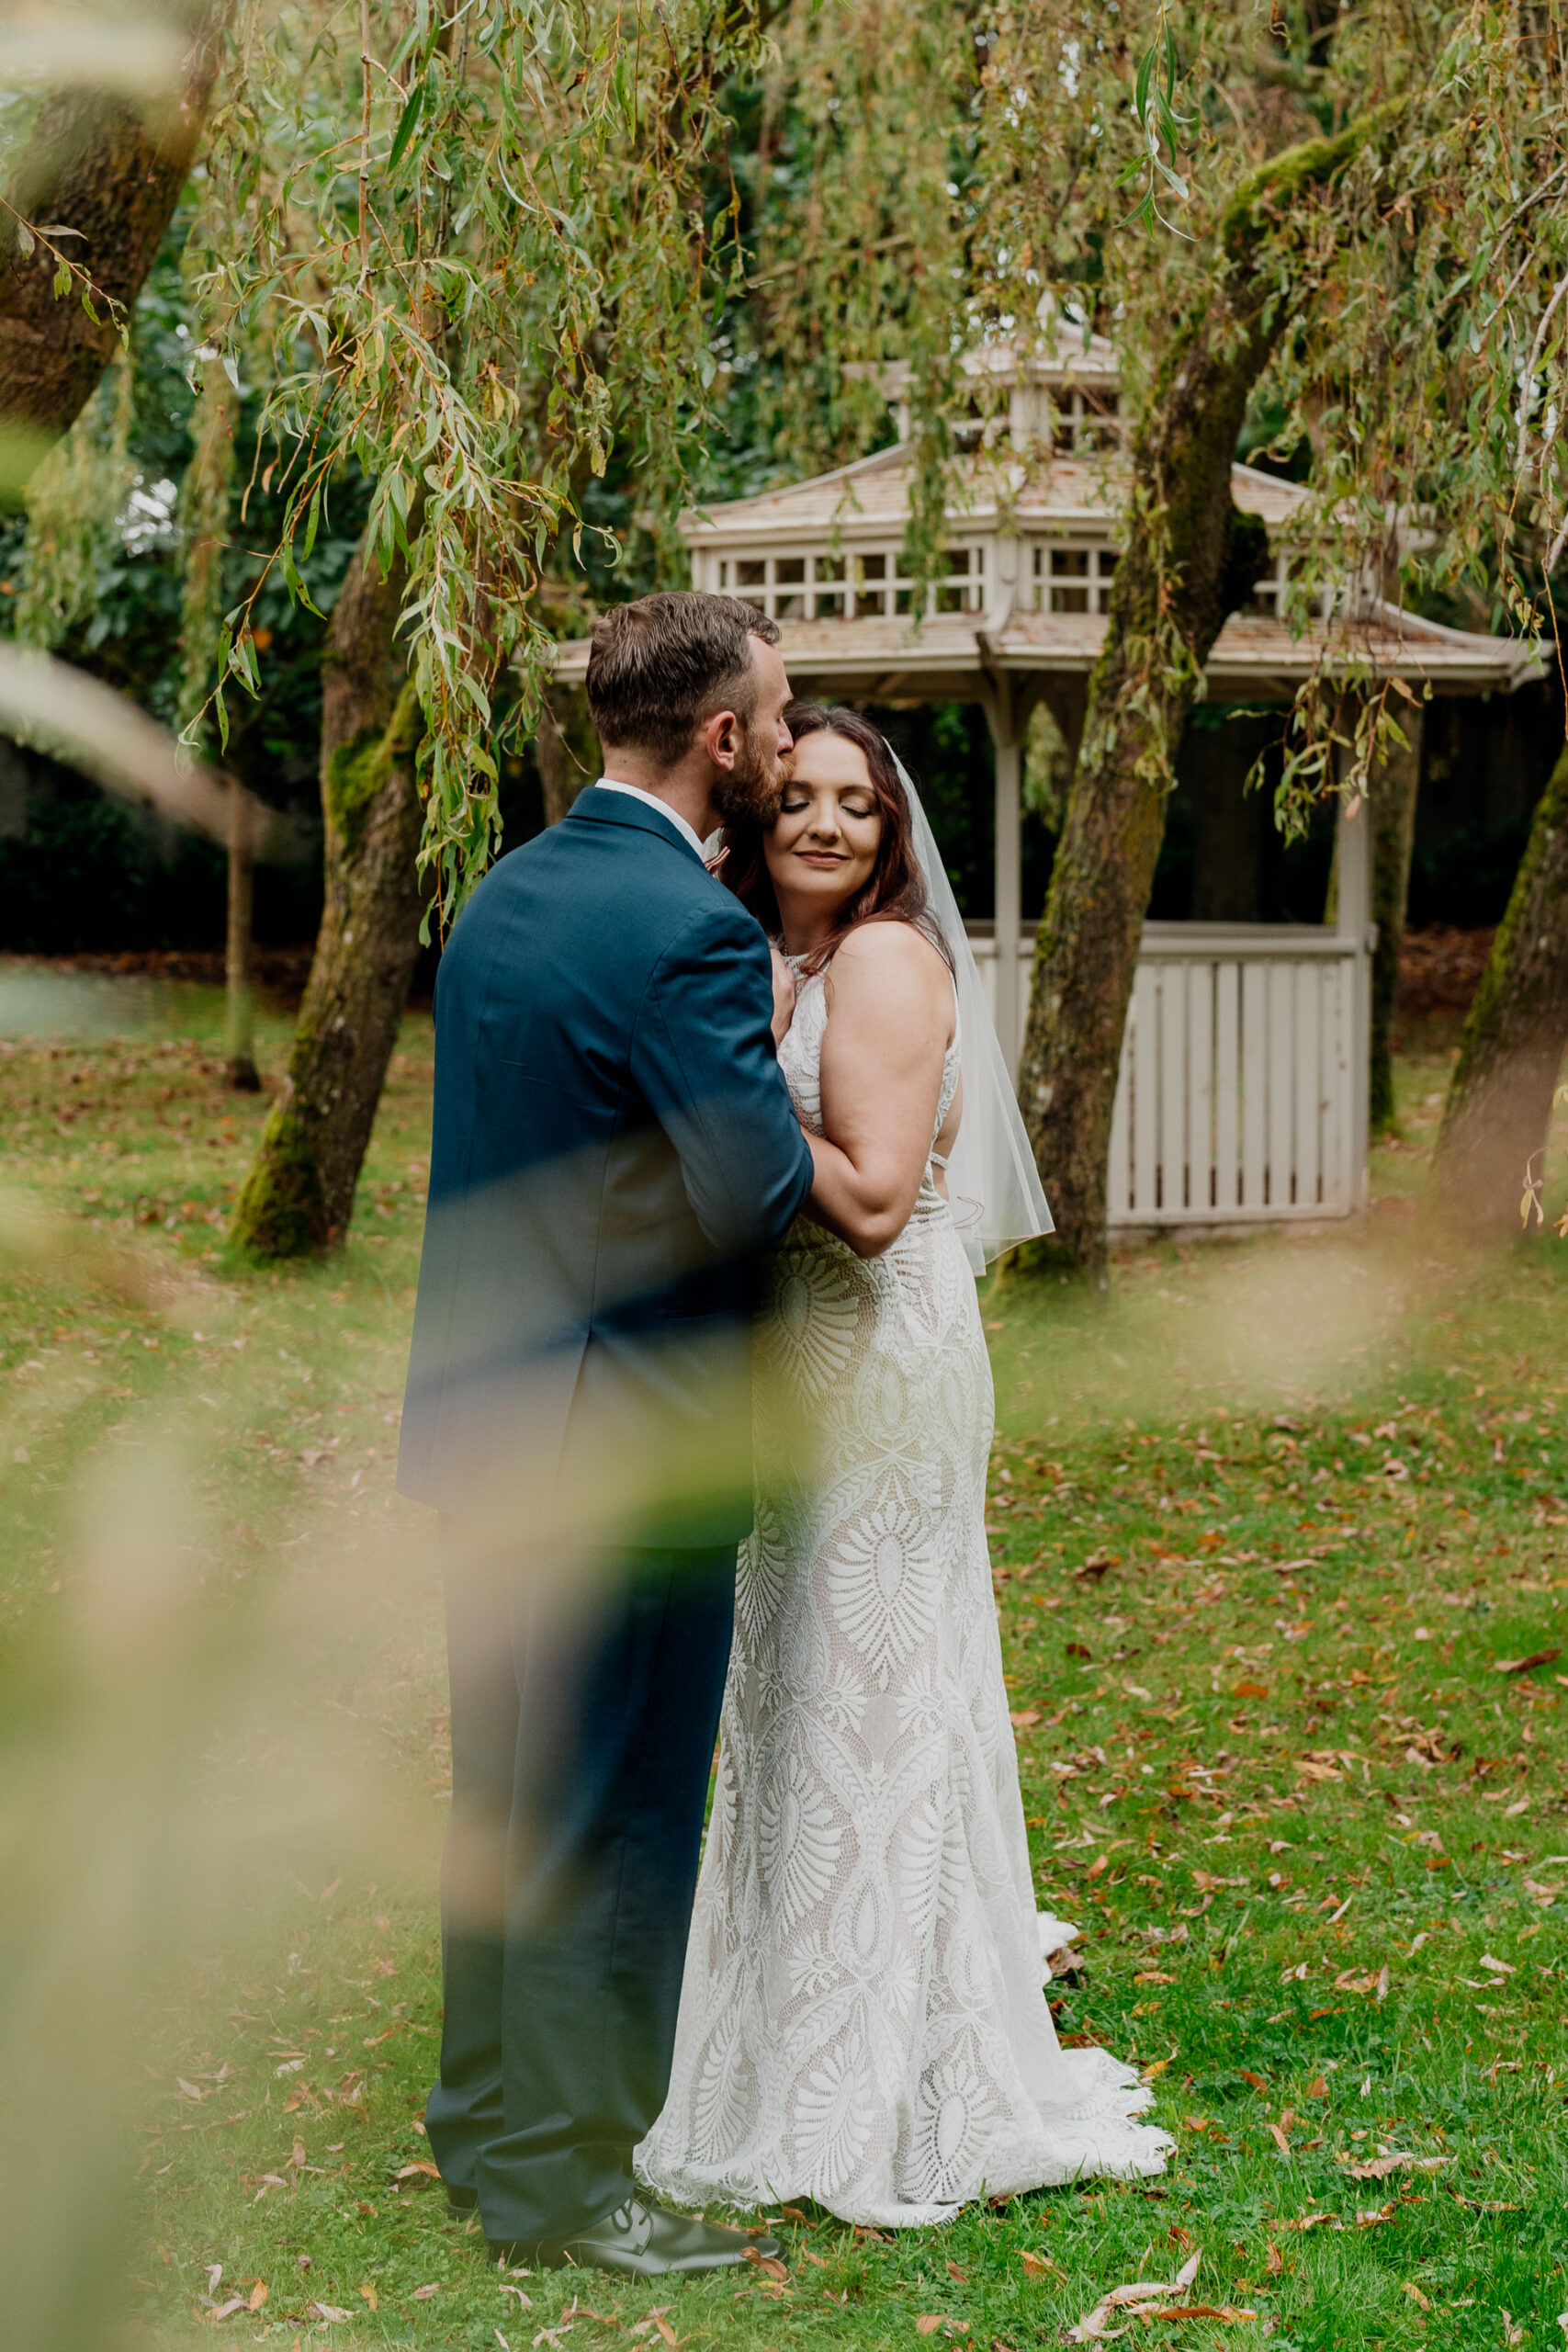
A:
[662,665]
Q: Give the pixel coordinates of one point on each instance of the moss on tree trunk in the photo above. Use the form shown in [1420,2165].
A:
[299,1196]
[1087,947]
[110,171]
[1499,1103]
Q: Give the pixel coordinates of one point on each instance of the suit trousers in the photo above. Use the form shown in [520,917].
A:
[583,1736]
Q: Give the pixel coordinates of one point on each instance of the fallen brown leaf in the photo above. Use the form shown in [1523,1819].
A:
[1380,2168]
[258,2296]
[962,2276]
[1203,2311]
[424,2294]
[1257,2082]
[1416,2295]
[371,2297]
[1142,2295]
[1523,1664]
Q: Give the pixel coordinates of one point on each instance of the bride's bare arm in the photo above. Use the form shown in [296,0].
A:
[889,1023]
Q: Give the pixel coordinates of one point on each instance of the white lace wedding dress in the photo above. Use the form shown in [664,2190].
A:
[863,2019]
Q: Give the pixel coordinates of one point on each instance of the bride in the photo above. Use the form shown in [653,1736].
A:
[863,2019]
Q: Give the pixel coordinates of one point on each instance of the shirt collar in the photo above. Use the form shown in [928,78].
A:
[651,801]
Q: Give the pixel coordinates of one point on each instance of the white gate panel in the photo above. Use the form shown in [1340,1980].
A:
[1237,1066]
[1227,1084]
[1233,1101]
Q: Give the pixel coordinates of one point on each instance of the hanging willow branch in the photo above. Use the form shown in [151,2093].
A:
[468,284]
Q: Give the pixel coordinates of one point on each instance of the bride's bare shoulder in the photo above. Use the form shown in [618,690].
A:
[890,954]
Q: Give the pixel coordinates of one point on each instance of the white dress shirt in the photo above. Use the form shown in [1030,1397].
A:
[651,801]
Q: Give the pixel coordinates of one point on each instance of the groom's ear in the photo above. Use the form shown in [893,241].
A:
[718,737]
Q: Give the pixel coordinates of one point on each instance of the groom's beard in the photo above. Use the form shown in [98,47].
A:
[750,794]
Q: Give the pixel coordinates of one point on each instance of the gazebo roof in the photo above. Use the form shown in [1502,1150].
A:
[1255,656]
[1031,520]
[995,486]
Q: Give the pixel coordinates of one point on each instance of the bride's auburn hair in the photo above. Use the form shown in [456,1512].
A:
[895,890]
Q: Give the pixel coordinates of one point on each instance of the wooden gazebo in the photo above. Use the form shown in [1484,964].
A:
[1244,1077]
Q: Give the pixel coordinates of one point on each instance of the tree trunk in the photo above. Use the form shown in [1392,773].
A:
[1499,1103]
[1087,948]
[240,1007]
[111,171]
[554,763]
[1391,805]
[299,1196]
[563,747]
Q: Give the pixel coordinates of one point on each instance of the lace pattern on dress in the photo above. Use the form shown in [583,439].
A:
[863,2019]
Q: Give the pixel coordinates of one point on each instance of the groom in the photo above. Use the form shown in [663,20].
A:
[614,1146]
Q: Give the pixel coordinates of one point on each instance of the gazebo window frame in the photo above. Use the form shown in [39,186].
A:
[1267,597]
[1084,418]
[828,583]
[1070,572]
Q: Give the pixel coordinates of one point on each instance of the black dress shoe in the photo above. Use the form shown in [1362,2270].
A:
[644,2241]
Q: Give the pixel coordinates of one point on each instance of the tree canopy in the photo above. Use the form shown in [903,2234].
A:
[466,254]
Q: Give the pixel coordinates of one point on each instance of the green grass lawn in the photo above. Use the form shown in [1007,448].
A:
[1273,1531]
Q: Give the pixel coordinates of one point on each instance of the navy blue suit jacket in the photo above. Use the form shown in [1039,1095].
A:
[614,1146]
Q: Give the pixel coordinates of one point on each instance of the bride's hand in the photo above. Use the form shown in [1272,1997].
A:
[783,997]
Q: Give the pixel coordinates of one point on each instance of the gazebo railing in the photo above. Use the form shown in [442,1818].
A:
[1237,1097]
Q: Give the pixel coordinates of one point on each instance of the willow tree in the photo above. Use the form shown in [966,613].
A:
[1487,1168]
[462,284]
[1349,223]
[88,195]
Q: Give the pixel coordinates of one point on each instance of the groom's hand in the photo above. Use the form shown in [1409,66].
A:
[783,997]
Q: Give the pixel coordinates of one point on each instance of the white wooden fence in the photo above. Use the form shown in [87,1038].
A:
[1235,1099]
[1243,1084]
